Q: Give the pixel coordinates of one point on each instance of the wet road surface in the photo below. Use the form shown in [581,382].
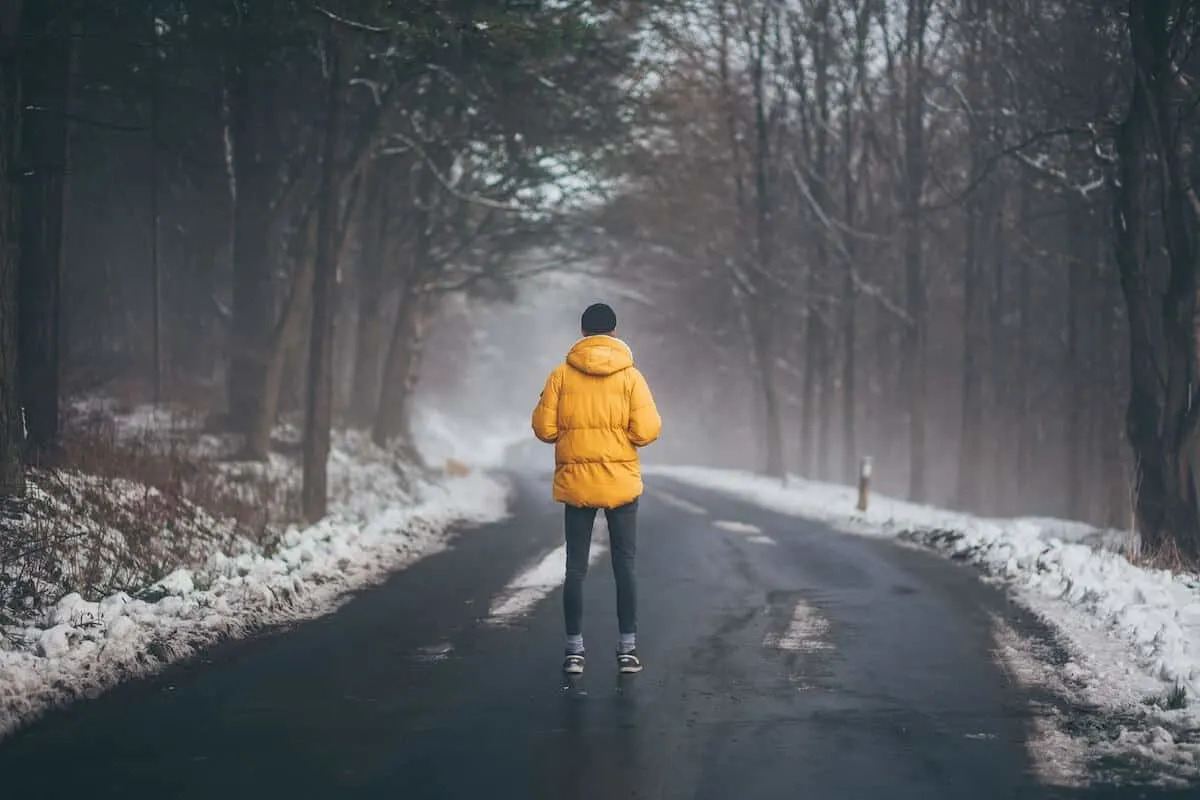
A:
[782,661]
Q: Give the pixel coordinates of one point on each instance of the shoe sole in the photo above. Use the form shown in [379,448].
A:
[629,670]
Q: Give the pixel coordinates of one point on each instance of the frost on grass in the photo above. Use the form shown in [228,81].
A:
[105,578]
[82,533]
[1133,631]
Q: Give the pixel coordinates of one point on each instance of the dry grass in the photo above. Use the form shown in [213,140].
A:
[97,535]
[114,512]
[167,462]
[1162,555]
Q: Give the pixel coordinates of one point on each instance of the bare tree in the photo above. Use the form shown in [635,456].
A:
[370,284]
[1156,210]
[158,370]
[12,428]
[250,117]
[817,372]
[970,457]
[853,86]
[392,424]
[912,188]
[319,406]
[45,78]
[933,271]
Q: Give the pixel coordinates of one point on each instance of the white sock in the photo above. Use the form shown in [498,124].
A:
[628,643]
[575,644]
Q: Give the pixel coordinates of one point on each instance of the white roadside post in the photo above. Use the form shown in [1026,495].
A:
[864,482]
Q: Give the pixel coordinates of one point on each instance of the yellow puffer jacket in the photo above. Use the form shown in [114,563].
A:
[597,410]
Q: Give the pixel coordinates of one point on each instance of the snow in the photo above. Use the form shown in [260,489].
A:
[536,582]
[733,526]
[1133,631]
[805,631]
[383,516]
[1059,760]
[680,503]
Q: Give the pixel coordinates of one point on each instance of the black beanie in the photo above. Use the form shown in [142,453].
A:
[598,318]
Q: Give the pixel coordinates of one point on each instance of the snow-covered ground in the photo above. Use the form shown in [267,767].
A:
[1133,632]
[217,582]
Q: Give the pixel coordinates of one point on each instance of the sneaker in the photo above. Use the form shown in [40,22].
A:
[573,664]
[629,662]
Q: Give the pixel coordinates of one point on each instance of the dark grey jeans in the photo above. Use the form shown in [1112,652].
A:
[622,538]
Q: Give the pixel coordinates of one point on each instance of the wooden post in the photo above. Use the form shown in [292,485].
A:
[864,482]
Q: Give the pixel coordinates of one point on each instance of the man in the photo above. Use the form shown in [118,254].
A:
[596,409]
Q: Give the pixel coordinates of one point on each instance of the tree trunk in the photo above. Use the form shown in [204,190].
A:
[849,305]
[393,420]
[252,307]
[763,298]
[368,344]
[752,294]
[991,279]
[914,272]
[1162,418]
[12,428]
[412,375]
[159,367]
[392,416]
[812,409]
[817,367]
[850,452]
[45,77]
[71,137]
[1012,396]
[970,453]
[1077,367]
[1113,458]
[318,411]
[287,336]
[764,362]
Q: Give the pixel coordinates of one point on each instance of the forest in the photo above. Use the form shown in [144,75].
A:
[958,236]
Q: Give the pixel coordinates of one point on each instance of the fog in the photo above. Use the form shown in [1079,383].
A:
[488,361]
[960,292]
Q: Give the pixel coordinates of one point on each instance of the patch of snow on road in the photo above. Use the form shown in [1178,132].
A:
[734,526]
[680,503]
[434,653]
[805,631]
[1058,759]
[1134,631]
[381,518]
[535,583]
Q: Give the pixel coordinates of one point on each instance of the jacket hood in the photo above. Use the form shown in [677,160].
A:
[600,355]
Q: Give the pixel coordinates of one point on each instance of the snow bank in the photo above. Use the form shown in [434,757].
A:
[383,516]
[1134,631]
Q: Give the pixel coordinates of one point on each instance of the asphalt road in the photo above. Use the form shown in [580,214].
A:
[782,661]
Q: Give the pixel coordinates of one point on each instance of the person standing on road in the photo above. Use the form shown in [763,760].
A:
[597,410]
